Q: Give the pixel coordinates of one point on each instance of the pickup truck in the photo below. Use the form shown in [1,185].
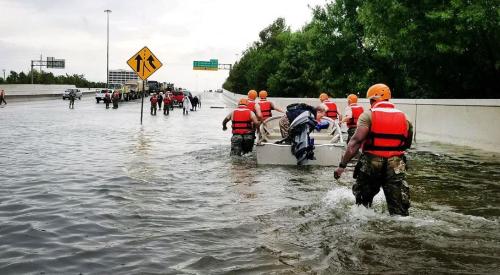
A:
[178,97]
[78,93]
[99,94]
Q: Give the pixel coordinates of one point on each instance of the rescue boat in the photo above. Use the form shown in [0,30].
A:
[329,145]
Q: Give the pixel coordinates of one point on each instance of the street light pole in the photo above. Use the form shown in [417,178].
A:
[107,51]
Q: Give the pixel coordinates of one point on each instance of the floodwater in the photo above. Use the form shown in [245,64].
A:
[92,191]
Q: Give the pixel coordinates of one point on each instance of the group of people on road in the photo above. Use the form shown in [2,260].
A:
[112,98]
[188,104]
[383,133]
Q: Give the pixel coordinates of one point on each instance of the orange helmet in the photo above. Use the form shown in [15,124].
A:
[243,101]
[379,92]
[252,94]
[352,98]
[323,97]
[263,94]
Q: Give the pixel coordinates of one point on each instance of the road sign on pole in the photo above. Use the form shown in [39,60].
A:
[212,65]
[144,63]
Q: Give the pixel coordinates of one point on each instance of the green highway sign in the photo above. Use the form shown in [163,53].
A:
[212,65]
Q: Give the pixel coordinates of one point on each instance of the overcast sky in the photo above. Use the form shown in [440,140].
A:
[176,31]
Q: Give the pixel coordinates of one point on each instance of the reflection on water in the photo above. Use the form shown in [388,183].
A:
[91,191]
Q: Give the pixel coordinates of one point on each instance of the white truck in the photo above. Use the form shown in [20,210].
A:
[99,94]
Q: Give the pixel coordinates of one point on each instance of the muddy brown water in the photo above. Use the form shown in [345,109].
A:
[91,191]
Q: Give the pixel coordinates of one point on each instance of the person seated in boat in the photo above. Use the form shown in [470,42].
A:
[320,118]
[244,122]
[266,106]
[330,106]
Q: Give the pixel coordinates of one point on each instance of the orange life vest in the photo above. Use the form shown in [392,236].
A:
[242,121]
[265,108]
[356,111]
[388,132]
[251,105]
[332,109]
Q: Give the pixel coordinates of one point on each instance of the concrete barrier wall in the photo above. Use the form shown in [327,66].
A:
[34,89]
[465,122]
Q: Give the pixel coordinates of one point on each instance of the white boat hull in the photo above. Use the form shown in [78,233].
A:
[325,154]
[328,149]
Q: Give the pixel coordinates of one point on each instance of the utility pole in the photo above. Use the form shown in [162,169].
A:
[107,51]
[4,75]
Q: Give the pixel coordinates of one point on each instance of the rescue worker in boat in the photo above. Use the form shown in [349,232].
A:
[244,122]
[331,107]
[383,134]
[351,115]
[266,106]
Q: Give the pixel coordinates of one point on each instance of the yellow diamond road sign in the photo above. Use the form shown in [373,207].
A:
[144,63]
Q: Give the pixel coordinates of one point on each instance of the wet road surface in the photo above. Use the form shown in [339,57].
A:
[92,191]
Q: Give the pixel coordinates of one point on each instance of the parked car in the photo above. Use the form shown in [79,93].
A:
[66,93]
[99,94]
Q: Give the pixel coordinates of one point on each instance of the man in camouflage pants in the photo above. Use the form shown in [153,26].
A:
[373,172]
[244,122]
[383,133]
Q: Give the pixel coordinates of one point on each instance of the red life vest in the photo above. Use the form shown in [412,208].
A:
[106,95]
[166,100]
[356,111]
[388,132]
[154,100]
[265,109]
[251,105]
[332,109]
[242,121]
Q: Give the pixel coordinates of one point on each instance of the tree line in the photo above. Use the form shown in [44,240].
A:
[421,49]
[49,78]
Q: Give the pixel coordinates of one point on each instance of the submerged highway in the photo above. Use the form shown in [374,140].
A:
[90,190]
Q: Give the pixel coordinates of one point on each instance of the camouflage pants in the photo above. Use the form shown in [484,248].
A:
[242,144]
[350,133]
[373,172]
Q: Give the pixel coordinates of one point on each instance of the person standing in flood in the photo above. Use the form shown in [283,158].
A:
[383,134]
[195,103]
[2,97]
[331,107]
[154,102]
[107,99]
[160,100]
[72,96]
[115,98]
[266,106]
[351,115]
[167,100]
[244,123]
[186,105]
